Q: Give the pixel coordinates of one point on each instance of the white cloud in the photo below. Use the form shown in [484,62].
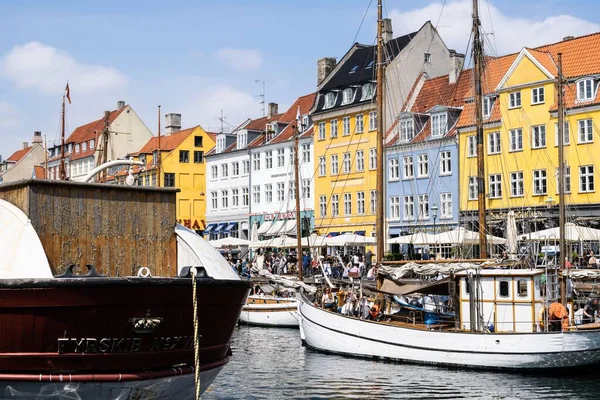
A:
[510,33]
[8,115]
[35,65]
[240,59]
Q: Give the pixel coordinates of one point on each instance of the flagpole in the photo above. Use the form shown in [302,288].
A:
[62,172]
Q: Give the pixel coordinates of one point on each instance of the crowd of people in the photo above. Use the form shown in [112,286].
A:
[347,302]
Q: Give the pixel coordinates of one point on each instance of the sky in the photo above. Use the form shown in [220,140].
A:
[198,57]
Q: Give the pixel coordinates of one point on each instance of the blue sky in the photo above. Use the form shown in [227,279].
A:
[196,57]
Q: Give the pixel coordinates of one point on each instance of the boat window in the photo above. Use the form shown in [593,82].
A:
[468,286]
[503,288]
[522,287]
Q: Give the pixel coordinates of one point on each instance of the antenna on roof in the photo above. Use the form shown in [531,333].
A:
[262,96]
[222,119]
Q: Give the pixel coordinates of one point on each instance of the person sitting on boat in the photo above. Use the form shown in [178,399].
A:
[593,261]
[346,270]
[363,307]
[354,271]
[328,300]
[371,274]
[589,311]
[374,313]
[558,317]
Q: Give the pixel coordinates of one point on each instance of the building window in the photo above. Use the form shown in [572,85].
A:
[446,205]
[514,100]
[373,121]
[445,163]
[184,156]
[292,156]
[224,170]
[306,188]
[409,208]
[422,166]
[373,201]
[213,200]
[488,103]
[246,167]
[169,180]
[347,165]
[235,168]
[427,58]
[269,159]
[494,143]
[585,89]
[77,148]
[367,91]
[472,146]
[334,164]
[198,157]
[516,184]
[256,194]
[537,95]
[280,191]
[224,199]
[439,124]
[566,134]
[322,166]
[245,197]
[333,127]
[346,126]
[292,192]
[271,130]
[329,100]
[306,153]
[235,197]
[280,157]
[84,146]
[567,176]
[256,162]
[516,139]
[360,203]
[372,158]
[242,139]
[503,288]
[408,170]
[321,130]
[198,141]
[214,174]
[269,193]
[347,95]
[586,133]
[522,288]
[323,206]
[92,144]
[473,188]
[538,137]
[393,169]
[360,123]
[586,178]
[495,183]
[360,161]
[221,144]
[394,207]
[347,203]
[407,129]
[540,186]
[335,205]
[423,206]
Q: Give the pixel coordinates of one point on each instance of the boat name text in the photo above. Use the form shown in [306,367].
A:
[124,345]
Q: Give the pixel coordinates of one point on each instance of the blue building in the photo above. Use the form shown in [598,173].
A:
[422,161]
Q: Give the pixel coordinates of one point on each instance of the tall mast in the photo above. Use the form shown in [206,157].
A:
[379,225]
[105,144]
[158,153]
[45,158]
[297,189]
[478,68]
[62,172]
[561,181]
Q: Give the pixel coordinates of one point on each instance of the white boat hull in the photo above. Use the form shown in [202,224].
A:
[331,332]
[282,314]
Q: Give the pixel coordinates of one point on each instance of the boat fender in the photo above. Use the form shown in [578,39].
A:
[186,272]
[144,272]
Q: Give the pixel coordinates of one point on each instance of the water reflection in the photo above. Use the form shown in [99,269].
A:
[271,364]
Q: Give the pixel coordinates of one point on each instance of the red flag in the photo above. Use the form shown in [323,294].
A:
[68,93]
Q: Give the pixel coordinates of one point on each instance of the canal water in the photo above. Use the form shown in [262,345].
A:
[270,363]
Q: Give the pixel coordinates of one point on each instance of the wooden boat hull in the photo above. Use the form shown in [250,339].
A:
[114,330]
[270,312]
[335,333]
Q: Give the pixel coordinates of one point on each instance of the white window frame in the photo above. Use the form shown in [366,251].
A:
[515,137]
[322,135]
[334,164]
[360,203]
[538,132]
[472,146]
[235,198]
[269,193]
[333,129]
[256,194]
[407,129]
[368,91]
[488,104]
[268,159]
[473,188]
[586,89]
[495,186]
[445,163]
[306,153]
[280,191]
[360,123]
[423,207]
[224,199]
[329,100]
[446,205]
[245,197]
[373,201]
[347,163]
[567,177]
[256,161]
[214,199]
[538,95]
[347,96]
[372,121]
[494,146]
[439,124]
[393,169]
[409,208]
[395,207]
[305,187]
[323,206]
[372,159]
[423,165]
[587,183]
[281,157]
[566,134]
[408,167]
[514,100]
[517,186]
[540,182]
[585,130]
[335,205]
[360,161]
[322,166]
[346,126]
[214,172]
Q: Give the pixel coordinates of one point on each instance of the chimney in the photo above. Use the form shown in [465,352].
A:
[568,38]
[172,123]
[456,65]
[25,145]
[120,104]
[273,109]
[324,68]
[388,34]
[37,138]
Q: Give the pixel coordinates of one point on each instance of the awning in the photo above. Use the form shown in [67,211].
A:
[276,229]
[209,228]
[230,227]
[220,227]
[394,231]
[361,233]
[332,234]
[245,226]
[264,227]
[289,228]
[438,287]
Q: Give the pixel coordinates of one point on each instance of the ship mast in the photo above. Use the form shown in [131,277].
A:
[61,171]
[379,221]
[158,153]
[297,189]
[561,182]
[478,69]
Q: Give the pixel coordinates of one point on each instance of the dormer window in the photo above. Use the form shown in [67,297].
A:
[271,130]
[84,146]
[367,91]
[439,124]
[77,148]
[92,144]
[370,65]
[304,123]
[329,100]
[154,157]
[242,139]
[586,89]
[347,96]
[221,144]
[407,129]
[488,103]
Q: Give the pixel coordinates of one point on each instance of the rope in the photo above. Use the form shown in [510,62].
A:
[196,336]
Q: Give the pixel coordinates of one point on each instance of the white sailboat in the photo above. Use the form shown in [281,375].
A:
[500,322]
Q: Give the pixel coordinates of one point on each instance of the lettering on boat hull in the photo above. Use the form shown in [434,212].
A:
[124,345]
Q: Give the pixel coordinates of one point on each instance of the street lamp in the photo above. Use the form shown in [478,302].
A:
[434,211]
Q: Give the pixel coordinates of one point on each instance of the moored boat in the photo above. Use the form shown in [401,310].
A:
[261,310]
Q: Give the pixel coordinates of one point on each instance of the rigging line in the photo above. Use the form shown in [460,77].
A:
[492,27]
[362,21]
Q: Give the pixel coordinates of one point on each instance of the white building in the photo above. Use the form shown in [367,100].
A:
[20,164]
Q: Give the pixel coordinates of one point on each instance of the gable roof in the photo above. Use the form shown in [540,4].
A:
[19,154]
[92,129]
[167,142]
[581,55]
[542,60]
[305,103]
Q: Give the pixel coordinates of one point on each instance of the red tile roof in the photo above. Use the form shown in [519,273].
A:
[167,142]
[581,55]
[82,154]
[39,172]
[19,154]
[305,103]
[260,124]
[93,129]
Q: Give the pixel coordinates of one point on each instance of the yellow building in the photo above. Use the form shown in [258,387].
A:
[521,135]
[182,166]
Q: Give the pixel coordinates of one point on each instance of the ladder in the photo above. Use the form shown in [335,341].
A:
[552,285]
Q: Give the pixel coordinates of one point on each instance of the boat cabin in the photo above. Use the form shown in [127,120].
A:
[500,300]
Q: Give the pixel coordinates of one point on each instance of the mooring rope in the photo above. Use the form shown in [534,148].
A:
[196,338]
